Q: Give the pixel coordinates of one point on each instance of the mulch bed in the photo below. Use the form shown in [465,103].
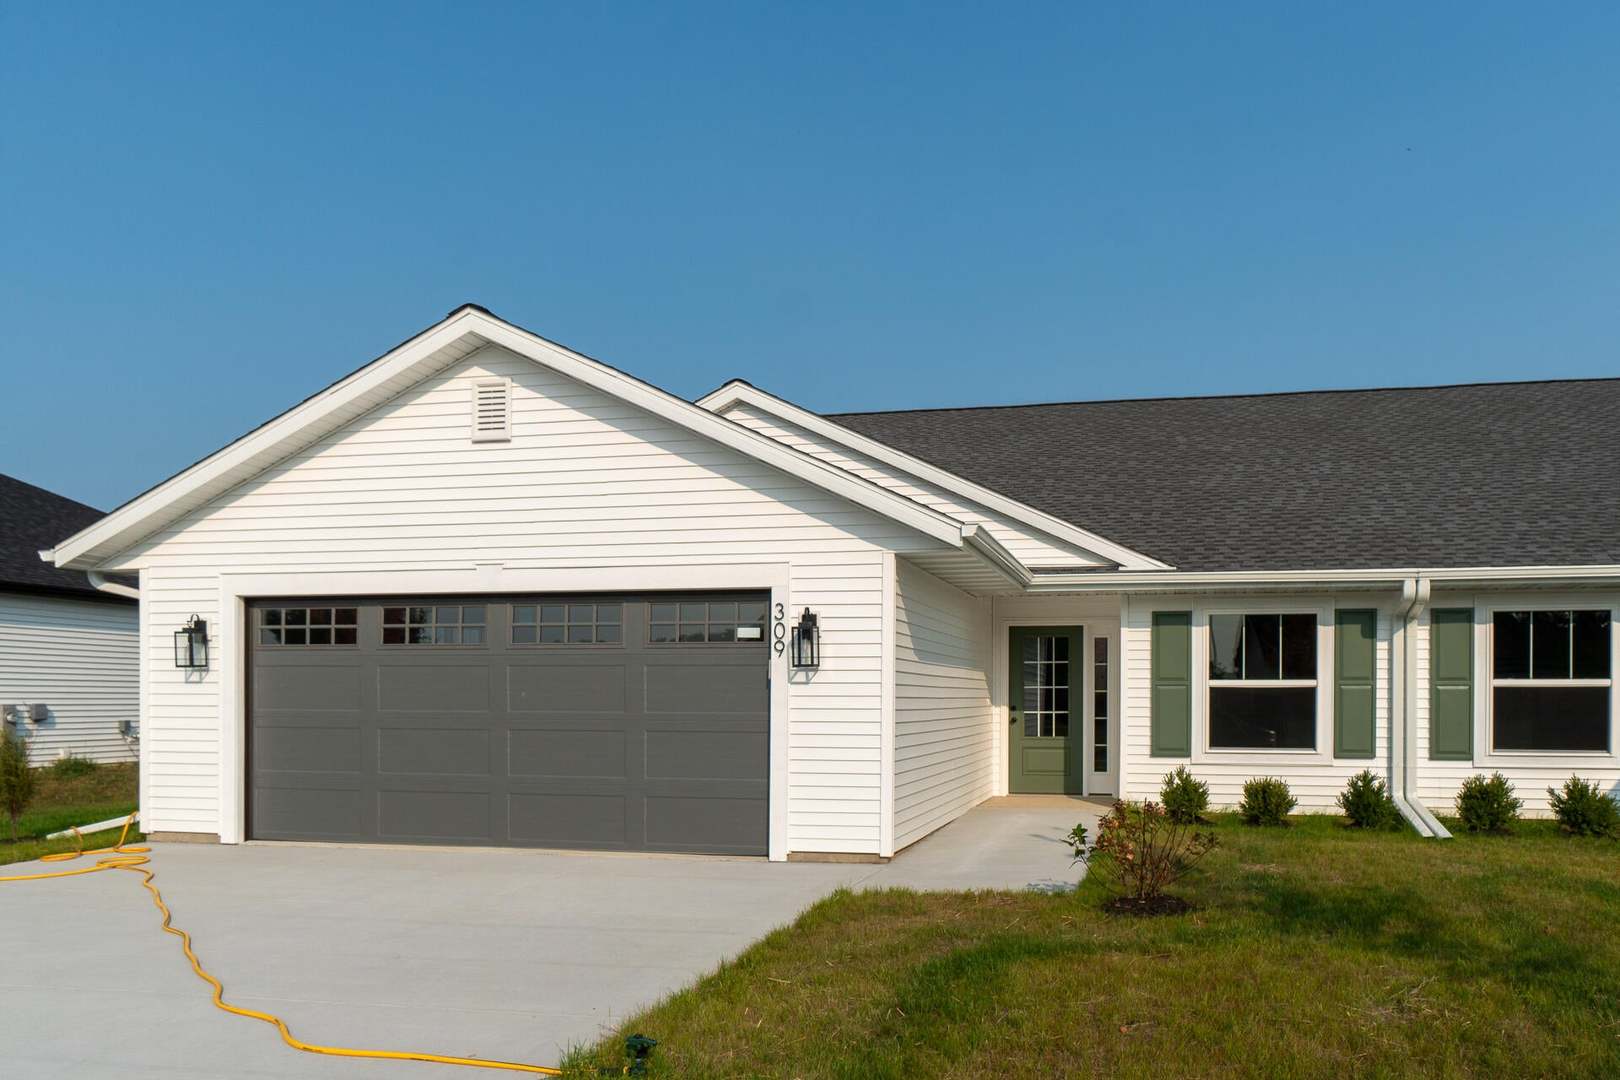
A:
[1152,905]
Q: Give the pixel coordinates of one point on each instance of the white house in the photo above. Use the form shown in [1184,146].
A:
[69,673]
[487,590]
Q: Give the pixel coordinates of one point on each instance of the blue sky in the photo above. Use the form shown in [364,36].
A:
[208,212]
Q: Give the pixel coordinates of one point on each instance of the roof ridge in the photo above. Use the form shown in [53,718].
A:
[1227,397]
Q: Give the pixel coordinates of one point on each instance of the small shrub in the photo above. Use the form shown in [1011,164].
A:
[1184,797]
[1487,804]
[1266,801]
[17,780]
[1366,801]
[1145,851]
[70,767]
[1583,810]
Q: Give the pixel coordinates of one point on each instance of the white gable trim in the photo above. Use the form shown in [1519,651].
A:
[741,393]
[458,335]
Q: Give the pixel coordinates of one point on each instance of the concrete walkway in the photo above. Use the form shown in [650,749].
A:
[496,953]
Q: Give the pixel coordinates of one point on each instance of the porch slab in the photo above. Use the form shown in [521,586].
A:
[1013,842]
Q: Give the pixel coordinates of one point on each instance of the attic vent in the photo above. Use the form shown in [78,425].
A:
[492,410]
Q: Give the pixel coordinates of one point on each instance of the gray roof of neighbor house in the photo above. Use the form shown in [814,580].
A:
[1503,474]
[32,519]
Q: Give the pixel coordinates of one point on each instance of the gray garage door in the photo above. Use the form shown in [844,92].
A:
[616,722]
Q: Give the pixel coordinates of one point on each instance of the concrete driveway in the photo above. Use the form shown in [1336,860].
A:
[502,954]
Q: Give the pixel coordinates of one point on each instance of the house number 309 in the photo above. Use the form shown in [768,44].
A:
[779,630]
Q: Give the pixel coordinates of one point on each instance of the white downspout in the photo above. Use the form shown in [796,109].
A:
[100,582]
[1403,704]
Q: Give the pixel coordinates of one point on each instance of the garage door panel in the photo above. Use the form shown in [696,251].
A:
[581,819]
[707,755]
[437,816]
[534,686]
[310,812]
[434,751]
[608,743]
[307,747]
[307,687]
[433,687]
[710,688]
[567,752]
[705,823]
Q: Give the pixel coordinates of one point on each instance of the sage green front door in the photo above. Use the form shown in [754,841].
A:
[1045,710]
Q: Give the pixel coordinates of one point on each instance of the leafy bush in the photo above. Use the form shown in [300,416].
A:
[1366,801]
[1185,798]
[16,778]
[71,767]
[1266,801]
[1487,804]
[1583,810]
[1145,851]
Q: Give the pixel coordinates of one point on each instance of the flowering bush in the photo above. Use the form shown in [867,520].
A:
[1145,851]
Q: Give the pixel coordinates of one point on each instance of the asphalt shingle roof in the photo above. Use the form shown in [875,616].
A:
[1505,474]
[32,519]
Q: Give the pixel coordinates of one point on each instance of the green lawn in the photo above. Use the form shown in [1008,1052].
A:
[62,802]
[1314,950]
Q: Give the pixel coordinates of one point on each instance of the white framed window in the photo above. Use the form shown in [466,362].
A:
[1551,680]
[1264,681]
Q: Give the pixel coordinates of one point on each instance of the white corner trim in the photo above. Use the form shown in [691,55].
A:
[887,750]
[146,513]
[741,393]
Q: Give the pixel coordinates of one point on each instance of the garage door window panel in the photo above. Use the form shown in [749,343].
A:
[308,626]
[434,624]
[714,622]
[567,623]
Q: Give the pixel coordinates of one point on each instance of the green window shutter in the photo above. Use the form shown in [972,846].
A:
[1172,684]
[1451,684]
[1355,677]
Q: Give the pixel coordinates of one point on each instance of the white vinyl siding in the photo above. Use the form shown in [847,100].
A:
[1032,548]
[79,659]
[943,723]
[1315,784]
[1531,773]
[587,481]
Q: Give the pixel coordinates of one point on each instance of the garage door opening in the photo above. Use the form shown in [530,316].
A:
[612,722]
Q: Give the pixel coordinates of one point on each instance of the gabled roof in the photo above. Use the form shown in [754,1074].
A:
[1492,475]
[32,518]
[739,392]
[458,335]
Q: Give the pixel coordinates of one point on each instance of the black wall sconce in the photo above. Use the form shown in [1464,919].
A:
[807,641]
[191,644]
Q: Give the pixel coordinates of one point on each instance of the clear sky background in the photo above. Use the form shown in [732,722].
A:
[209,211]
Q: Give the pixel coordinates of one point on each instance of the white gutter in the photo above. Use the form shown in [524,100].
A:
[1070,581]
[112,588]
[1403,710]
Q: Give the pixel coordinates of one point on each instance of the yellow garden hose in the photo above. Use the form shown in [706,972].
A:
[134,858]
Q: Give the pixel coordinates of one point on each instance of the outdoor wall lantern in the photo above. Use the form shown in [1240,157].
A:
[807,641]
[191,644]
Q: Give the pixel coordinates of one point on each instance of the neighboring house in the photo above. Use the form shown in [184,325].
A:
[486,590]
[69,671]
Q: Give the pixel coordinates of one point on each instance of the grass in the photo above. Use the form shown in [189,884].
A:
[1313,950]
[62,802]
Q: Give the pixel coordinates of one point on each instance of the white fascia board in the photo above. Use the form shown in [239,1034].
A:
[1113,581]
[741,393]
[150,511]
